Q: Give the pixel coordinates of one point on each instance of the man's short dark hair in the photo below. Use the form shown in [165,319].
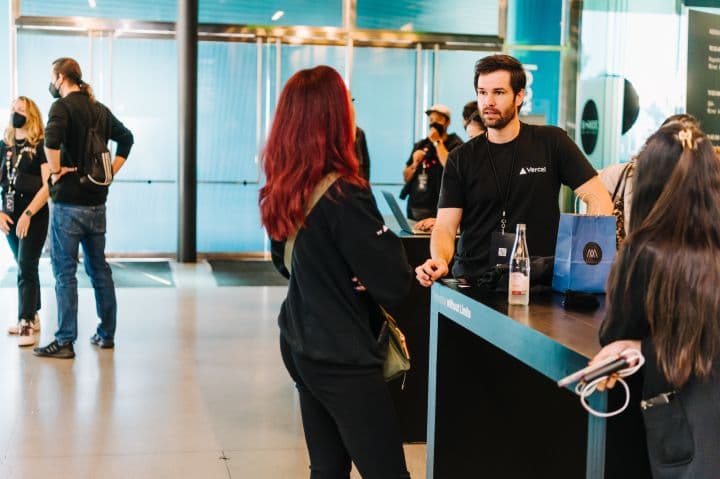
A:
[493,63]
[469,109]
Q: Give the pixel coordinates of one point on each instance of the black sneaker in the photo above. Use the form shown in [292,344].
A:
[56,350]
[102,343]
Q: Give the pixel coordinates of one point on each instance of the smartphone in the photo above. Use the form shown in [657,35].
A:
[603,368]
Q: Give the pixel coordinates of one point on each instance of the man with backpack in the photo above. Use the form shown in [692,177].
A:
[76,137]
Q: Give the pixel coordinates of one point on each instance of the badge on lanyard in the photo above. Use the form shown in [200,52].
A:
[10,202]
[422,181]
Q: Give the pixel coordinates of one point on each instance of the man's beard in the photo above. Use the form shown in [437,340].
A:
[502,118]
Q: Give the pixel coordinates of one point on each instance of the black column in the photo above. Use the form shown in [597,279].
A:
[186,35]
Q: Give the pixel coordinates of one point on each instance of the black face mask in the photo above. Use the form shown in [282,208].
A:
[18,120]
[54,90]
[440,128]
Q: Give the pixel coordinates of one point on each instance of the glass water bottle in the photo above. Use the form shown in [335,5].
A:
[519,283]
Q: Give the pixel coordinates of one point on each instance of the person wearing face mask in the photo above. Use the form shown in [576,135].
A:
[423,170]
[78,215]
[24,216]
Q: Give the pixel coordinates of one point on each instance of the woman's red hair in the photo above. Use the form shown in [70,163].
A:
[312,135]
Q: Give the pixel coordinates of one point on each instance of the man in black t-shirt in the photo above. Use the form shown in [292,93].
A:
[423,171]
[78,215]
[508,176]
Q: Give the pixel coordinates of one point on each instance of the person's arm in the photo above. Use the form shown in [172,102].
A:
[442,246]
[38,201]
[374,254]
[594,194]
[124,139]
[415,160]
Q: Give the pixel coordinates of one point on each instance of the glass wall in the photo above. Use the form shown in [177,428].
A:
[449,16]
[142,205]
[238,85]
[642,43]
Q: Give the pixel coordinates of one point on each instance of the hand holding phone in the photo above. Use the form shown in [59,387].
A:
[603,368]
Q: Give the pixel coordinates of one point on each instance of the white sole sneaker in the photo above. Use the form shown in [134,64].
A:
[25,341]
[35,324]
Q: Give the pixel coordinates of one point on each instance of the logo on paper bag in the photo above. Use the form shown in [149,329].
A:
[592,253]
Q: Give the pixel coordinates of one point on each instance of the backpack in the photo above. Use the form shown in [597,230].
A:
[96,167]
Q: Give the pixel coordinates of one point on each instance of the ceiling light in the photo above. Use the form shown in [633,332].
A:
[92,3]
[277,15]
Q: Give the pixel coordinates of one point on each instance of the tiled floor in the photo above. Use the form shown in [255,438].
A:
[194,389]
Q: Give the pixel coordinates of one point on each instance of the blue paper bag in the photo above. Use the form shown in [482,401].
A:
[584,253]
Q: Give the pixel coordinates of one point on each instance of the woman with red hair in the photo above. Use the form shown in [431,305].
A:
[344,263]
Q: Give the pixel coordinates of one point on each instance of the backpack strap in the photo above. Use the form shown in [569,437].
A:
[320,189]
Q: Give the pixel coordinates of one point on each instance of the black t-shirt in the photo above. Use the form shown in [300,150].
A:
[69,119]
[427,198]
[27,175]
[546,158]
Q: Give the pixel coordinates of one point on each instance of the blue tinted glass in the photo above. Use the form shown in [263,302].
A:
[227,110]
[298,57]
[144,98]
[543,84]
[254,12]
[383,86]
[449,16]
[229,218]
[4,79]
[455,85]
[36,52]
[150,10]
[534,22]
[142,217]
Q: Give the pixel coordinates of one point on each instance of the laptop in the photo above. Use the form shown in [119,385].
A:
[405,224]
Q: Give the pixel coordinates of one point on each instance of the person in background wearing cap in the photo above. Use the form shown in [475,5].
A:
[423,171]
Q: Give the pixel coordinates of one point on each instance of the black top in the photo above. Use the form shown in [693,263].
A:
[27,173]
[361,151]
[427,198]
[692,422]
[323,317]
[68,121]
[546,158]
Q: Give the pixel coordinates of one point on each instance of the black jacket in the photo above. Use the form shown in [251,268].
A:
[68,121]
[323,317]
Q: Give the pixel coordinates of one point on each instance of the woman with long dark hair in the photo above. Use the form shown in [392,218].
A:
[25,216]
[344,263]
[664,298]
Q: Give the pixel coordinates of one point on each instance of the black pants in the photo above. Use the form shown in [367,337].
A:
[27,253]
[347,415]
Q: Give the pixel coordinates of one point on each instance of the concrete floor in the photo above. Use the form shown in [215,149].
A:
[195,388]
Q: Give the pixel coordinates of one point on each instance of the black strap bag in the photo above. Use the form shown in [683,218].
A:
[96,167]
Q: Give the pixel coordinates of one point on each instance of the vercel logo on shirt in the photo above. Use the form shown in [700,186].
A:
[528,170]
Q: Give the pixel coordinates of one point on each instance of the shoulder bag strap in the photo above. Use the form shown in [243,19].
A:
[622,181]
[317,193]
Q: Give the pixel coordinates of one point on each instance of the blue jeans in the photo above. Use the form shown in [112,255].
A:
[70,226]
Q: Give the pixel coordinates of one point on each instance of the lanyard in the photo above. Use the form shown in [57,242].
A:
[13,168]
[503,219]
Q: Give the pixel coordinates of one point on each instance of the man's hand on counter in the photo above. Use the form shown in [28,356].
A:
[431,271]
[425,225]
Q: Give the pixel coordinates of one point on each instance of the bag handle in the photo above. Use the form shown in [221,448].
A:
[582,197]
[320,189]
